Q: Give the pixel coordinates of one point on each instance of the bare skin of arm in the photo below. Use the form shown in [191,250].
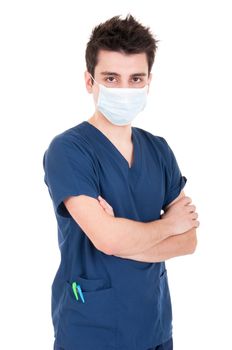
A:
[116,235]
[170,247]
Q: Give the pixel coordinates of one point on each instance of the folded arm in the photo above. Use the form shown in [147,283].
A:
[115,235]
[170,247]
[129,238]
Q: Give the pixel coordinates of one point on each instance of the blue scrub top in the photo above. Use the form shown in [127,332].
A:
[127,302]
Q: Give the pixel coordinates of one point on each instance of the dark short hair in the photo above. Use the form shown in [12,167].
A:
[121,35]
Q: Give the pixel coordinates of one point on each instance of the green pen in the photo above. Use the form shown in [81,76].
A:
[74,288]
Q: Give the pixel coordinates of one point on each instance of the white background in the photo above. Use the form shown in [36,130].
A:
[42,93]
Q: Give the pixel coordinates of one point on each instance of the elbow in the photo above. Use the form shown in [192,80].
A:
[106,241]
[105,247]
[104,236]
[110,247]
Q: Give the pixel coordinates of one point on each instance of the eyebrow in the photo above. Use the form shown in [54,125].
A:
[119,75]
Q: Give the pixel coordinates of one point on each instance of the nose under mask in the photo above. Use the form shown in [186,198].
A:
[121,105]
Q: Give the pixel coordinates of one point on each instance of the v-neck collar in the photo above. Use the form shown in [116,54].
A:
[103,138]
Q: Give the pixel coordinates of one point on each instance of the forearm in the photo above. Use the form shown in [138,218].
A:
[171,247]
[129,237]
[115,235]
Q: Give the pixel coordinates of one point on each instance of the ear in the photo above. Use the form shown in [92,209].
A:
[88,82]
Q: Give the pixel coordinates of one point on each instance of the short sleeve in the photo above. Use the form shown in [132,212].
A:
[175,181]
[69,170]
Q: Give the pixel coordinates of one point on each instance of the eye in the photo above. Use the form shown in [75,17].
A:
[136,80]
[110,79]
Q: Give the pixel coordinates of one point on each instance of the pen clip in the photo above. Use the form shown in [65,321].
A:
[74,288]
[81,293]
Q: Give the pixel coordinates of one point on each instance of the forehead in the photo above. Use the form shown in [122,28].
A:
[121,63]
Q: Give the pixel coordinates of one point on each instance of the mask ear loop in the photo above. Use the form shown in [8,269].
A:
[93,79]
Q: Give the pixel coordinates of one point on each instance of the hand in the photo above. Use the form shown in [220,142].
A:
[108,209]
[181,216]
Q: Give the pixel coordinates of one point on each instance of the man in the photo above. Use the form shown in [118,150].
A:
[109,183]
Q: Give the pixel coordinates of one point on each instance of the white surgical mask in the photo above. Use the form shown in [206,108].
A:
[121,105]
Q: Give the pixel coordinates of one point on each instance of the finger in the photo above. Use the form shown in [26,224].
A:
[102,203]
[109,211]
[194,216]
[191,208]
[102,200]
[186,200]
[109,206]
[106,206]
[197,223]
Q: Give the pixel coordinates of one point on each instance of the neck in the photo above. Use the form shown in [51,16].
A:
[118,134]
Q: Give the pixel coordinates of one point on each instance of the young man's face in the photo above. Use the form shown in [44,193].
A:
[118,70]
